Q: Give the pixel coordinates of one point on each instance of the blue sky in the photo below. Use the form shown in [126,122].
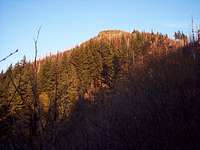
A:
[66,23]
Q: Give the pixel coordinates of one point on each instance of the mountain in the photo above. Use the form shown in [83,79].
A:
[118,90]
[118,35]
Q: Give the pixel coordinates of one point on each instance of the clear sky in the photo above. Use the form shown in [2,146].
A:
[66,23]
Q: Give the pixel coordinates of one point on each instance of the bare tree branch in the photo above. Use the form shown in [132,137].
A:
[9,55]
[36,48]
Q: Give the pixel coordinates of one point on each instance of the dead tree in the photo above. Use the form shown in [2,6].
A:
[35,117]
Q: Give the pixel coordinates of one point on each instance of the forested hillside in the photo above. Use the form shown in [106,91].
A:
[118,90]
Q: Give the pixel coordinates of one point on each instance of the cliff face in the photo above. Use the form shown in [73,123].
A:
[112,34]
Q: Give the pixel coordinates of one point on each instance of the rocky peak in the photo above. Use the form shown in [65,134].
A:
[112,33]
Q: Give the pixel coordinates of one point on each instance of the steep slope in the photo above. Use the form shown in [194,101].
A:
[118,90]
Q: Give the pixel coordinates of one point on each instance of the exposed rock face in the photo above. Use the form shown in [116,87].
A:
[112,33]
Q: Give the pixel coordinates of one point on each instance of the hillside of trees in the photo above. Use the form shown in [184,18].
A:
[118,90]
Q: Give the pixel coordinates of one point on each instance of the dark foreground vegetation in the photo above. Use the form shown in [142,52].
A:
[117,91]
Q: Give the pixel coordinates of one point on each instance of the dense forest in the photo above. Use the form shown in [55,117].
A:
[118,90]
